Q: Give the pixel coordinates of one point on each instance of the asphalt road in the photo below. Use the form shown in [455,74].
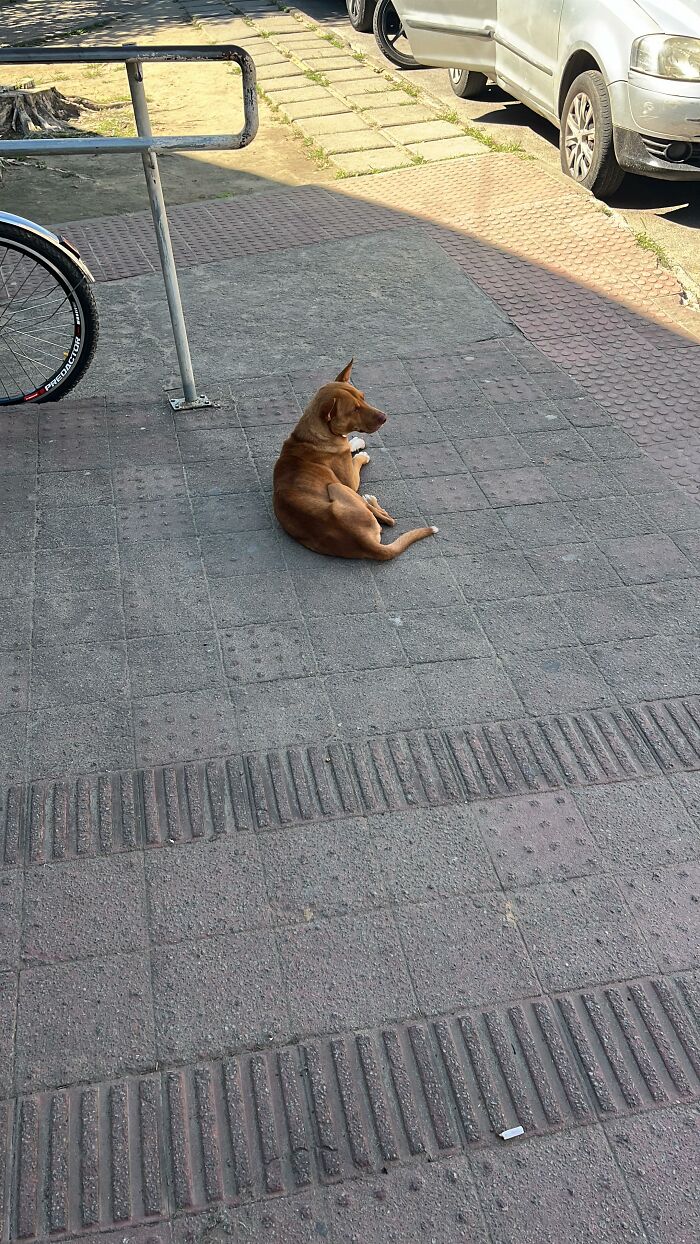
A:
[667,212]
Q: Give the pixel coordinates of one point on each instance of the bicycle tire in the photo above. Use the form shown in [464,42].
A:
[76,286]
[385,16]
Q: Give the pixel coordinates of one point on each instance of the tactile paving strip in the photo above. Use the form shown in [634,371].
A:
[104,813]
[335,1108]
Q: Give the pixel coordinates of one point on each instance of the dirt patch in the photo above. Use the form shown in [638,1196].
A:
[183,99]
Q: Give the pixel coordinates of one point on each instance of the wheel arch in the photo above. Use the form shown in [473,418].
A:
[578,62]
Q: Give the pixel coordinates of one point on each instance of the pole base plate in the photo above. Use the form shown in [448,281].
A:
[181,403]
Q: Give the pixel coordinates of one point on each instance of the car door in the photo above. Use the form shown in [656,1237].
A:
[527,43]
[453,33]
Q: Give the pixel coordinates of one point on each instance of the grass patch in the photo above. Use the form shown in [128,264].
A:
[319,78]
[648,244]
[358,56]
[331,38]
[316,153]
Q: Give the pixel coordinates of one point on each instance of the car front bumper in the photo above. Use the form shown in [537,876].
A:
[649,115]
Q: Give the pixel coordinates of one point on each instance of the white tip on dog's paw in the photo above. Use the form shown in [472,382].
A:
[368,496]
[435,530]
[356,442]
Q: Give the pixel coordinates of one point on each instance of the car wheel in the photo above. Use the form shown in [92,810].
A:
[586,141]
[467,83]
[361,13]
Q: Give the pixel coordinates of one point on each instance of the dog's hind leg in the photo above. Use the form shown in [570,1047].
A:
[379,512]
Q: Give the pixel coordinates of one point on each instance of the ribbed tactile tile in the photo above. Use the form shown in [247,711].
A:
[336,1108]
[104,813]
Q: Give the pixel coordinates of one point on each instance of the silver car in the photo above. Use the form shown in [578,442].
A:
[621,78]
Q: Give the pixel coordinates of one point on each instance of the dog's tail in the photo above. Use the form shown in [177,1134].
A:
[386,552]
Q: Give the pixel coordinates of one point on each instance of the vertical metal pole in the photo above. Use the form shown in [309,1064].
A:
[134,71]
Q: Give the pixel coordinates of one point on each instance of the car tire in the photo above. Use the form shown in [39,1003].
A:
[468,83]
[586,140]
[360,14]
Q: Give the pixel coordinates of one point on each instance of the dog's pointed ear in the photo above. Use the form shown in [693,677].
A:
[344,376]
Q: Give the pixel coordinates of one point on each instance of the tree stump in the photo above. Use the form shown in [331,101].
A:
[25,112]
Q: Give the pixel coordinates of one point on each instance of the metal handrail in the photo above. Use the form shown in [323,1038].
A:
[148,144]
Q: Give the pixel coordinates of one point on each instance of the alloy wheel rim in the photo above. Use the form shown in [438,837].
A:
[579,136]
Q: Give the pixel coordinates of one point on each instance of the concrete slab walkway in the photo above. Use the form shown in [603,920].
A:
[315,877]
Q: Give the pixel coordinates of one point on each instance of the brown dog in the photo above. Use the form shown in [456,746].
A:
[317,476]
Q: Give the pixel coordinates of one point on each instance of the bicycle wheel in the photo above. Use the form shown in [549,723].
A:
[48,319]
[390,37]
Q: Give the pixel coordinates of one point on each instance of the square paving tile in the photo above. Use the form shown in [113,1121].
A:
[532,416]
[13,734]
[74,454]
[556,679]
[87,1020]
[326,870]
[266,652]
[610,443]
[84,570]
[357,642]
[251,552]
[450,634]
[79,909]
[80,738]
[494,576]
[247,599]
[77,617]
[335,589]
[136,484]
[184,662]
[345,972]
[420,583]
[673,604]
[217,445]
[377,703]
[464,952]
[583,412]
[167,518]
[66,488]
[428,853]
[608,615]
[581,933]
[192,725]
[231,512]
[8,1008]
[217,995]
[79,673]
[204,890]
[537,838]
[434,458]
[283,713]
[638,824]
[533,526]
[689,543]
[458,692]
[473,418]
[582,480]
[524,486]
[437,1199]
[656,1153]
[414,426]
[166,608]
[143,448]
[564,1187]
[397,498]
[672,511]
[666,906]
[492,453]
[640,475]
[72,526]
[579,566]
[11,887]
[648,669]
[447,494]
[533,623]
[556,445]
[609,518]
[477,531]
[218,476]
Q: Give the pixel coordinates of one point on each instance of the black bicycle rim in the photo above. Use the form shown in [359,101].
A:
[37,312]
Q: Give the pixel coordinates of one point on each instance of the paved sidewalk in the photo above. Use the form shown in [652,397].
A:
[314,876]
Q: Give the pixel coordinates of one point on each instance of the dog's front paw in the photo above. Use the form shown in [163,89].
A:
[362,459]
[356,442]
